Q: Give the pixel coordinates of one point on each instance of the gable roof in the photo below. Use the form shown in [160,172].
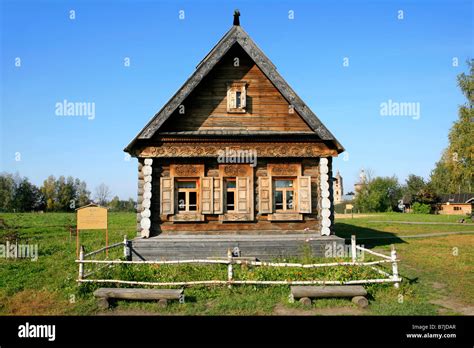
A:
[236,35]
[459,198]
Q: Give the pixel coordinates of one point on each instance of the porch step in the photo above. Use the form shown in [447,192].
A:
[262,247]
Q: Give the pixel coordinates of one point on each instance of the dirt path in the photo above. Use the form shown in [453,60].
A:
[421,235]
[449,304]
[281,309]
[350,216]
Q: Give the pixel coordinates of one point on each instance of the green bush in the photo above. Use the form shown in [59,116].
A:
[420,208]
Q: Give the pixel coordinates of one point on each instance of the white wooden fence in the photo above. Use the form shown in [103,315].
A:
[230,261]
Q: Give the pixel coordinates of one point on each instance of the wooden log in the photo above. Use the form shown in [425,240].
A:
[327,291]
[103,302]
[360,301]
[242,282]
[305,301]
[139,294]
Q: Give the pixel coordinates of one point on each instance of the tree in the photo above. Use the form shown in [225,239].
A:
[416,190]
[453,173]
[378,195]
[102,194]
[82,194]
[27,197]
[66,194]
[49,192]
[114,204]
[117,205]
[7,192]
[414,184]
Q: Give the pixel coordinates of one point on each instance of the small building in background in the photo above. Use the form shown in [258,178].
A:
[456,204]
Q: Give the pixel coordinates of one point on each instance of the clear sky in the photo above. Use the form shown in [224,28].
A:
[407,60]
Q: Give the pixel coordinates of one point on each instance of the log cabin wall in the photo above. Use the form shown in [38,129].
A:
[139,195]
[213,223]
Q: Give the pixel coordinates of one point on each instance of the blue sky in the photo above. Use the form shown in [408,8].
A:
[82,60]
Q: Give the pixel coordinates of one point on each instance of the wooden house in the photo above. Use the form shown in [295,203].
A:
[456,204]
[234,158]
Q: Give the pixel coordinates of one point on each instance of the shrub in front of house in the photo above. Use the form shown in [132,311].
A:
[421,208]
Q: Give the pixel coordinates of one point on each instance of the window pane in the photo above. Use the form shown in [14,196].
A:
[192,201]
[181,201]
[186,184]
[283,183]
[230,184]
[289,200]
[230,201]
[279,199]
[238,95]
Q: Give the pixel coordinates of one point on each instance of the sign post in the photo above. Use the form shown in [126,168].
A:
[351,207]
[92,217]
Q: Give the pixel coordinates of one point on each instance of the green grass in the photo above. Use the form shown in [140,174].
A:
[380,226]
[408,217]
[48,286]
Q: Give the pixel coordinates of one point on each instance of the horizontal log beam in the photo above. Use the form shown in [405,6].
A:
[327,291]
[139,294]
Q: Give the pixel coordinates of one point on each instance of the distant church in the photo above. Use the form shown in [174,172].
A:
[338,188]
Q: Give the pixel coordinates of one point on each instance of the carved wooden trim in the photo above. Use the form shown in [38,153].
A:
[285,217]
[236,217]
[212,150]
[234,170]
[184,217]
[187,170]
[284,169]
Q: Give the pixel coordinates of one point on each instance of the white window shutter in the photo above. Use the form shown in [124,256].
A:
[304,194]
[207,189]
[231,102]
[167,196]
[218,196]
[265,204]
[243,196]
[243,98]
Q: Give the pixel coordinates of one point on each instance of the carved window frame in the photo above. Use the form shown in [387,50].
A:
[227,190]
[284,190]
[187,191]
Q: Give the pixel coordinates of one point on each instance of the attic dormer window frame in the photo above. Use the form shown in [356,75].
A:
[233,90]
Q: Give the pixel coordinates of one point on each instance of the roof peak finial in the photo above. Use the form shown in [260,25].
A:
[236,17]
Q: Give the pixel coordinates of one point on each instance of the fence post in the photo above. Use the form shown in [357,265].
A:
[394,266]
[353,248]
[126,248]
[229,268]
[81,264]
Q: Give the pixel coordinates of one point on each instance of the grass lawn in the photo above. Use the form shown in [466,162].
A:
[438,272]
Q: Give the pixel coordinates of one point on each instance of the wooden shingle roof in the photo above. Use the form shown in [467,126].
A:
[458,198]
[236,35]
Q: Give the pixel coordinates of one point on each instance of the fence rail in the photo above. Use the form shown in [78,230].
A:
[230,261]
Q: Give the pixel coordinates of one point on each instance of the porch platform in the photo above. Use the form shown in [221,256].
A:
[263,247]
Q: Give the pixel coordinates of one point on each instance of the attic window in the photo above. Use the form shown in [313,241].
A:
[236,97]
